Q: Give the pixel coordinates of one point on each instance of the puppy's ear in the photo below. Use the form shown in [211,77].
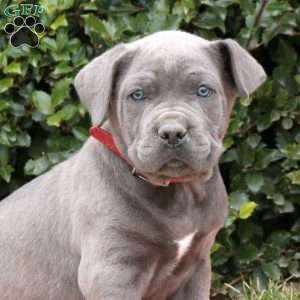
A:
[94,83]
[247,74]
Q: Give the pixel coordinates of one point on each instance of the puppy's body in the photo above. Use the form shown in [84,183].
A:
[89,229]
[42,230]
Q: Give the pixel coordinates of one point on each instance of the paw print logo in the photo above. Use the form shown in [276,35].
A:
[24,31]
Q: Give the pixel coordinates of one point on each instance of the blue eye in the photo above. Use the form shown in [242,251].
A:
[137,95]
[204,91]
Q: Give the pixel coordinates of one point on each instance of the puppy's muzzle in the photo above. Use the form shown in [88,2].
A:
[172,127]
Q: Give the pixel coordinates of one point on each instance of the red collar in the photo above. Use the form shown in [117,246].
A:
[106,139]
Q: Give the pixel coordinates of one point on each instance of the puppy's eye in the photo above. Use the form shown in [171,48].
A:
[204,91]
[138,95]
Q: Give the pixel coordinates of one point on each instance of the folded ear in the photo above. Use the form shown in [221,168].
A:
[95,82]
[244,70]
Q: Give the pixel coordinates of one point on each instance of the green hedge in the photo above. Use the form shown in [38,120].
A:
[42,122]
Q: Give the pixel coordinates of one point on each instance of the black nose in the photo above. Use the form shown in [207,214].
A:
[172,134]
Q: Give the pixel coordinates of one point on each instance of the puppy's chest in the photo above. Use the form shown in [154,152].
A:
[183,245]
[175,269]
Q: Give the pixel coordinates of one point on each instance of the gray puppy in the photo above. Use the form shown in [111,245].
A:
[89,229]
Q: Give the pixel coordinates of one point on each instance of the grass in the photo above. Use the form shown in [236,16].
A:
[275,291]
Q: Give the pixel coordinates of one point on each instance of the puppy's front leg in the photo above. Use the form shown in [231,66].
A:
[112,271]
[198,287]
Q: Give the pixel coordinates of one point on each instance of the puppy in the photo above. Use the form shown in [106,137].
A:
[134,213]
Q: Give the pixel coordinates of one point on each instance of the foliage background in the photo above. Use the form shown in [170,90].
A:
[42,122]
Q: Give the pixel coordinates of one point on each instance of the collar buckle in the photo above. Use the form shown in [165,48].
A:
[134,173]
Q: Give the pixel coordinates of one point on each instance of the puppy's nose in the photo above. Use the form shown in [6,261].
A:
[172,134]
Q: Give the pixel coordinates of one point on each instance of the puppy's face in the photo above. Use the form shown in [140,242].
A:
[170,101]
[171,107]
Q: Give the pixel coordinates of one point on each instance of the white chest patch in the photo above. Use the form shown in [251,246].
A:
[184,244]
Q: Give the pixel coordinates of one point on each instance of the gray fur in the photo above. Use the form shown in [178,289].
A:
[90,230]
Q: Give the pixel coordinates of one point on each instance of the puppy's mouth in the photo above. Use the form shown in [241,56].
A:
[175,164]
[175,168]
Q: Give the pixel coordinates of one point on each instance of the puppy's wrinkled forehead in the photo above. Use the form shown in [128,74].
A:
[169,53]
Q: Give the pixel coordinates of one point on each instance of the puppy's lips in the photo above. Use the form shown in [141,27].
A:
[175,168]
[175,163]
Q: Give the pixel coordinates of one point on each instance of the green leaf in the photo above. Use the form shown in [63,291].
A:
[294,268]
[4,155]
[278,199]
[291,151]
[246,101]
[53,6]
[287,123]
[212,18]
[253,140]
[17,109]
[13,68]
[188,4]
[215,248]
[280,238]
[49,43]
[80,133]
[247,6]
[5,172]
[246,156]
[60,91]
[94,24]
[247,253]
[7,135]
[272,271]
[56,119]
[89,6]
[37,167]
[294,176]
[263,157]
[23,140]
[69,111]
[254,181]
[5,84]
[297,78]
[62,68]
[64,114]
[66,4]
[247,209]
[3,59]
[60,21]
[42,101]
[237,198]
[228,142]
[4,105]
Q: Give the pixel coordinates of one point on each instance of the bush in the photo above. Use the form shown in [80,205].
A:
[42,121]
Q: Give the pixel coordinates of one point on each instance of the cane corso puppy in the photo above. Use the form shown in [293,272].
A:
[133,217]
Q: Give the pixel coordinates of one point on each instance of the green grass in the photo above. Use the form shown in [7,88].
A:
[275,291]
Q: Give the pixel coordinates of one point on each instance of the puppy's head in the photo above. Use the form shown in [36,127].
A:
[169,98]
